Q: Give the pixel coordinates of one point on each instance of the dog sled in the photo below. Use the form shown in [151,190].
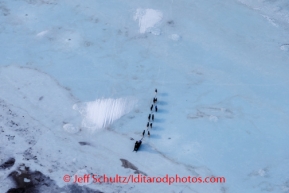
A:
[137,145]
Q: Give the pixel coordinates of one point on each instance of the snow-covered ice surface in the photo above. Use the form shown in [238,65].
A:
[221,69]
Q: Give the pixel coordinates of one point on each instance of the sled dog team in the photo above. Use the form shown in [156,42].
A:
[151,118]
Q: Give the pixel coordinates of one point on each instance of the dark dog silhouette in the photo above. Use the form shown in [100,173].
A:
[155,100]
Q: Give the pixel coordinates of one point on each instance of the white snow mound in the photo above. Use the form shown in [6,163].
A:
[100,113]
[147,19]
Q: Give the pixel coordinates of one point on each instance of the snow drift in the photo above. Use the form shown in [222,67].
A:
[100,113]
[147,19]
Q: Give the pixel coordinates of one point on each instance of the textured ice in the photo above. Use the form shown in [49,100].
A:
[276,12]
[70,128]
[285,47]
[175,37]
